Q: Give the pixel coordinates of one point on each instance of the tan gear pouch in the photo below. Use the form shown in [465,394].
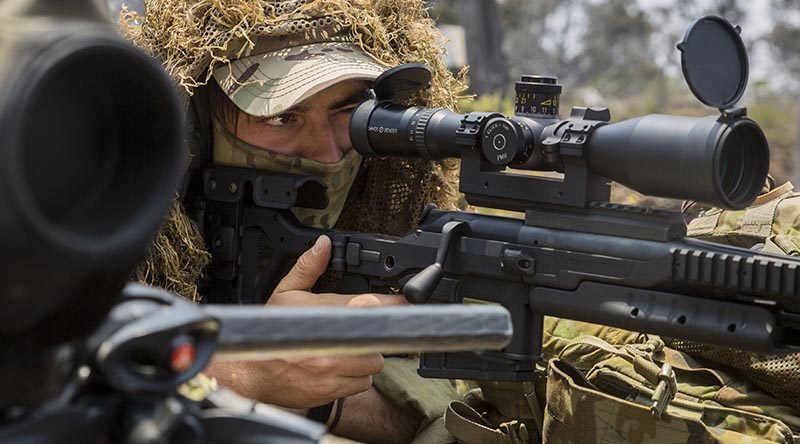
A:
[597,392]
[774,213]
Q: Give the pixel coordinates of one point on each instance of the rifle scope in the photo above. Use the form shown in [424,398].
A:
[718,160]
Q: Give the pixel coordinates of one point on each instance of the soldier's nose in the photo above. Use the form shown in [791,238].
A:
[323,144]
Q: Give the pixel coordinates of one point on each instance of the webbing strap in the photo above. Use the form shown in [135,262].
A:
[774,194]
[758,220]
[592,341]
[788,244]
[467,425]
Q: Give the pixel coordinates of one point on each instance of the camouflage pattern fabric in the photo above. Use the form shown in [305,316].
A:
[339,177]
[578,413]
[599,391]
[771,224]
[773,215]
[288,72]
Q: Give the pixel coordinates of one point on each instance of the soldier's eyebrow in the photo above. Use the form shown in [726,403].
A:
[354,99]
[301,108]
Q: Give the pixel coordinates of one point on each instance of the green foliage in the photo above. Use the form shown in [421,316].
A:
[778,117]
[488,102]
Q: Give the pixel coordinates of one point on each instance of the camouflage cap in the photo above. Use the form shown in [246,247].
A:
[277,73]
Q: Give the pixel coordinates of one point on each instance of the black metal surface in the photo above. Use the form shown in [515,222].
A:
[401,82]
[246,331]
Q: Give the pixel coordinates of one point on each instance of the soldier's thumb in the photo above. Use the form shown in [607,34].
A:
[309,267]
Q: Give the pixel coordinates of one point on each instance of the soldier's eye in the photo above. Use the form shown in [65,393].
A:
[279,120]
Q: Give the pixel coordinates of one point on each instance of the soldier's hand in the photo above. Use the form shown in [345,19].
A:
[306,382]
[295,288]
[298,383]
[318,381]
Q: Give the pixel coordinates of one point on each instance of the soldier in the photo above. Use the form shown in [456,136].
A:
[601,381]
[280,79]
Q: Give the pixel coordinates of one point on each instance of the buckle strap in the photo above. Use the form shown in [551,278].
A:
[665,391]
[469,427]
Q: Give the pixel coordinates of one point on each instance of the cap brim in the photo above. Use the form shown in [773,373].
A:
[270,83]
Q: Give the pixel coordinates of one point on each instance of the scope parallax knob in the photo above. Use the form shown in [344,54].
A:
[501,141]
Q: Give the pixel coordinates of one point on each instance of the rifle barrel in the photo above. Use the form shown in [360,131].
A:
[279,331]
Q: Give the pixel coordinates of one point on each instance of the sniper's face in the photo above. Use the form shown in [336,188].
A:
[315,129]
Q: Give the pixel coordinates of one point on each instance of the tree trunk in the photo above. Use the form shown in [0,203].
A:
[488,71]
[795,172]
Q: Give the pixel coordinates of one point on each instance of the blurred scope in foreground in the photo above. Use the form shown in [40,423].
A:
[91,154]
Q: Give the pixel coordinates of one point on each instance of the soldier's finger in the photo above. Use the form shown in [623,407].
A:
[345,366]
[308,268]
[306,298]
[376,300]
[357,385]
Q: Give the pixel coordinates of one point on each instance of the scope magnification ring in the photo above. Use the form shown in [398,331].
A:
[419,131]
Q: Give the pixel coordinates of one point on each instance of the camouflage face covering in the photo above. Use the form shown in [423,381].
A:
[339,176]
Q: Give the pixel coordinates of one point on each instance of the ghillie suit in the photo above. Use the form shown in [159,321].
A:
[193,38]
[176,257]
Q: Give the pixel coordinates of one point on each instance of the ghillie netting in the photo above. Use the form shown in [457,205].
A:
[176,257]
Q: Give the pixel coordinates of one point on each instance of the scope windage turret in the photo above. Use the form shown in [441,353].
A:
[718,160]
